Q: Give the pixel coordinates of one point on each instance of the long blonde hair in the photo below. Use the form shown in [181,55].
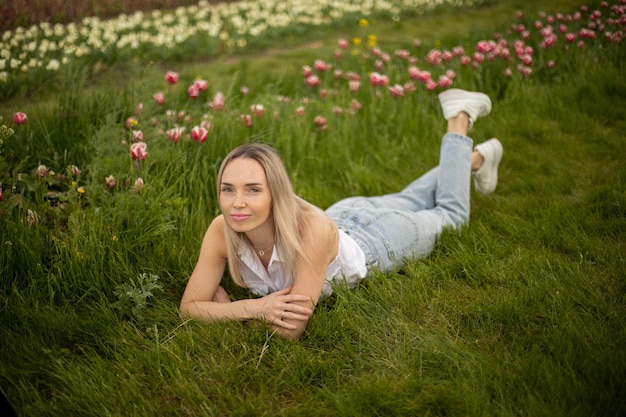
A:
[287,209]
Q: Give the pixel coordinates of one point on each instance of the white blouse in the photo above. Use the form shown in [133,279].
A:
[349,267]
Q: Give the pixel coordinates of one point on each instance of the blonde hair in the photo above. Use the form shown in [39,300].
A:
[287,209]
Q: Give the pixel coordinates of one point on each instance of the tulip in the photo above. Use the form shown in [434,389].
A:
[19,118]
[75,171]
[42,171]
[378,79]
[246,119]
[110,181]
[193,91]
[159,98]
[320,122]
[244,91]
[396,90]
[199,134]
[175,134]
[201,84]
[138,185]
[138,151]
[218,101]
[137,135]
[257,110]
[171,77]
[321,66]
[313,81]
[343,43]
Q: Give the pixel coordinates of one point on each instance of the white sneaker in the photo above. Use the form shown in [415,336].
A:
[486,177]
[455,101]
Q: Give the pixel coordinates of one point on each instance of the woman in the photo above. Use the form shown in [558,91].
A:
[291,252]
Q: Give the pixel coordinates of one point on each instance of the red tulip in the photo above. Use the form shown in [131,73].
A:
[175,134]
[171,77]
[199,134]
[138,151]
[19,118]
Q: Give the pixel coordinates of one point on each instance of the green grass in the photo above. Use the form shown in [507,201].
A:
[523,313]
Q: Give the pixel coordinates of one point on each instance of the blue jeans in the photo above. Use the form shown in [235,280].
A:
[396,227]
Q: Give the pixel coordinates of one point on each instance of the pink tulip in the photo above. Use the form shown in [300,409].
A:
[343,43]
[352,76]
[193,91]
[307,71]
[244,91]
[338,111]
[199,134]
[201,84]
[110,181]
[355,105]
[320,122]
[313,80]
[138,151]
[175,134]
[19,118]
[379,79]
[171,77]
[300,110]
[396,90]
[403,54]
[354,86]
[444,81]
[218,101]
[159,98]
[321,66]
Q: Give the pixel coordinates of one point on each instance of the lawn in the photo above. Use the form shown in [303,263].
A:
[108,164]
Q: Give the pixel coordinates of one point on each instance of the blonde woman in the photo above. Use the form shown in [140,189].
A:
[290,252]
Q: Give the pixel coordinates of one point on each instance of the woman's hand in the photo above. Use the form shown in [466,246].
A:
[281,305]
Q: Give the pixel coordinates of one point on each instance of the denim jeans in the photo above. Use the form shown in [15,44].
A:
[406,225]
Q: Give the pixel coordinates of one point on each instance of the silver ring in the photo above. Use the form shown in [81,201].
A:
[282,315]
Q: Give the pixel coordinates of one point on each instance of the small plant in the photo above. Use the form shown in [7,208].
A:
[133,296]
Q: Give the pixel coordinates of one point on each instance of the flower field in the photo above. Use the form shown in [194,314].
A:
[111,135]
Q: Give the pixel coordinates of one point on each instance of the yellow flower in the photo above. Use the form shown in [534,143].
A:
[74,184]
[363,23]
[114,238]
[356,41]
[81,190]
[371,41]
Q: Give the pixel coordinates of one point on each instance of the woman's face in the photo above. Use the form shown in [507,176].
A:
[245,197]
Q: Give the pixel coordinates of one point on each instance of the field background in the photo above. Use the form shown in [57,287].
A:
[523,314]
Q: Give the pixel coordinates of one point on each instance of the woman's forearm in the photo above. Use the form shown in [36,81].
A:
[240,310]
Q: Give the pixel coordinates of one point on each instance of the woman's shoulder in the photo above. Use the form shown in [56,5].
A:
[316,223]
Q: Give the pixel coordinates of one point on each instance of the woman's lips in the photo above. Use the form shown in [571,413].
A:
[240,217]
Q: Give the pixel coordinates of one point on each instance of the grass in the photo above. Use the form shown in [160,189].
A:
[521,314]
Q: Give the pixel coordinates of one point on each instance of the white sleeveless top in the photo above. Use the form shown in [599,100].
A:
[349,267]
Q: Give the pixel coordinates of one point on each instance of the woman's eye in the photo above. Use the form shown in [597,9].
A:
[254,190]
[226,190]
